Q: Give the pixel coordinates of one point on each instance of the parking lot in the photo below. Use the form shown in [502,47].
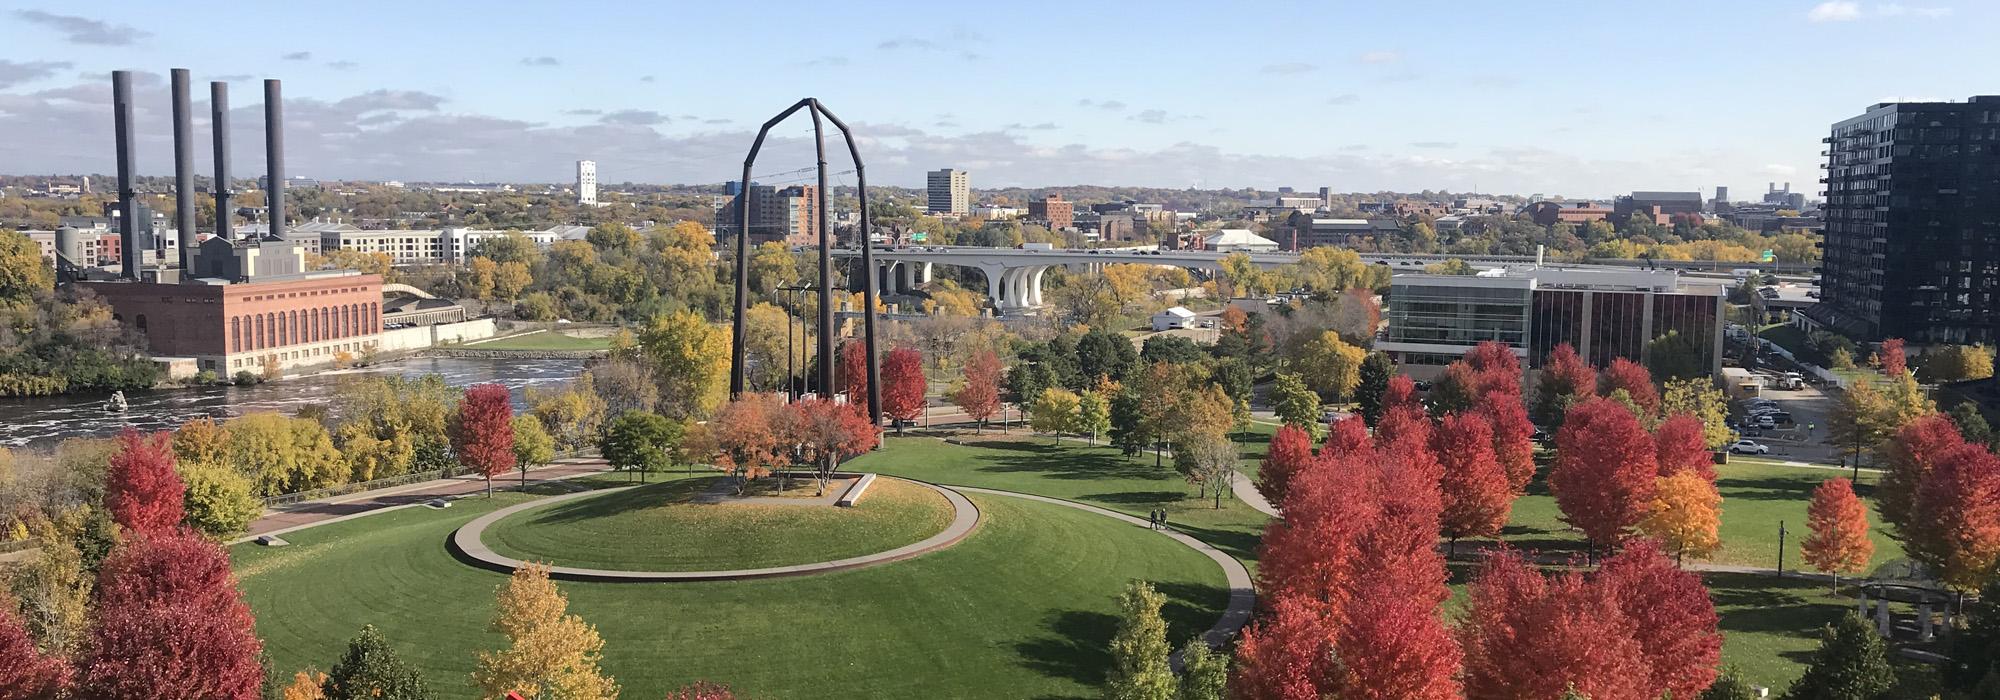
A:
[1803,437]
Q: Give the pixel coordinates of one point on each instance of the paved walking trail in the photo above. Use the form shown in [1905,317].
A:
[338,508]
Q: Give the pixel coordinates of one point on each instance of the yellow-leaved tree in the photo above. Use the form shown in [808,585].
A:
[1685,515]
[553,655]
[690,361]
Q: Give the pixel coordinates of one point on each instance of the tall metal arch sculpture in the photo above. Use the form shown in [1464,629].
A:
[868,293]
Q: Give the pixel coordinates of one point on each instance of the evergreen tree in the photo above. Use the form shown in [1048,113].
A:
[1375,373]
[1205,673]
[370,669]
[1730,686]
[1128,430]
[1139,651]
[1849,665]
[1972,424]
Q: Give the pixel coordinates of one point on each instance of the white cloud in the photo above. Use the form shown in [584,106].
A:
[1850,10]
[1834,11]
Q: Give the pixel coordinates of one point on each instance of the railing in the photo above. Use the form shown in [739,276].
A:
[279,501]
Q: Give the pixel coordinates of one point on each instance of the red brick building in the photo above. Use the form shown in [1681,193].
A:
[1053,211]
[295,319]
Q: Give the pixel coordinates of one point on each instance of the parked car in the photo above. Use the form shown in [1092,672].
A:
[1766,422]
[1749,447]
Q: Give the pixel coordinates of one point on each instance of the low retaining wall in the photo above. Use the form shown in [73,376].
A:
[516,354]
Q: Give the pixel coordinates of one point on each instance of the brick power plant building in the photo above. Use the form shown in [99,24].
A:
[226,305]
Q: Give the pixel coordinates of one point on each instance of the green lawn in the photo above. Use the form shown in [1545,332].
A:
[1755,498]
[1022,608]
[1099,476]
[546,340]
[657,528]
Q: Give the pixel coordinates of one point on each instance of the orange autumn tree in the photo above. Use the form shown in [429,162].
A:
[746,435]
[1685,515]
[1839,541]
[979,394]
[1477,493]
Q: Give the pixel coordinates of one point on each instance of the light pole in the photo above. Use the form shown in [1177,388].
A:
[794,294]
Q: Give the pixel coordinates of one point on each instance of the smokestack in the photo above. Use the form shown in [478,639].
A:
[128,206]
[184,168]
[218,105]
[274,157]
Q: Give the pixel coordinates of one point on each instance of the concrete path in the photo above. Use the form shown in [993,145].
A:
[1246,491]
[467,544]
[1242,595]
[347,507]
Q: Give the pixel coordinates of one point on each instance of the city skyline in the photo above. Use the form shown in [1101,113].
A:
[1464,99]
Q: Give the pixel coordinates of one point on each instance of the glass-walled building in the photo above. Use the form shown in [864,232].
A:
[1604,314]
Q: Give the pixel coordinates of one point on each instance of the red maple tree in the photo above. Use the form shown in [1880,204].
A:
[1672,618]
[1513,437]
[828,431]
[25,673]
[1957,532]
[1477,495]
[1637,382]
[979,395]
[1402,391]
[1495,367]
[903,385]
[854,370]
[1912,453]
[483,435]
[170,624]
[1526,636]
[1399,649]
[1310,553]
[1838,522]
[1681,444]
[1894,361]
[1286,655]
[1291,451]
[1603,478]
[1402,421]
[1568,373]
[141,489]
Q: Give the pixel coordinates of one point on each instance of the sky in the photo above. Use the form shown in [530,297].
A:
[1583,99]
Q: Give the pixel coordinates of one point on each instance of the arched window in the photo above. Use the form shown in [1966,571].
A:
[257,338]
[140,320]
[375,317]
[236,334]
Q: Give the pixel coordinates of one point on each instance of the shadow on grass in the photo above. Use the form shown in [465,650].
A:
[1135,498]
[651,496]
[1772,605]
[1767,488]
[1063,462]
[1076,643]
[1242,545]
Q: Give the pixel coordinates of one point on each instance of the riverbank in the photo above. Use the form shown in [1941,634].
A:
[43,421]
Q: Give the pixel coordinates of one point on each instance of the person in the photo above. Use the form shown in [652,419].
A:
[1163,518]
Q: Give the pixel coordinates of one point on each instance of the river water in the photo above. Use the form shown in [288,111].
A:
[34,422]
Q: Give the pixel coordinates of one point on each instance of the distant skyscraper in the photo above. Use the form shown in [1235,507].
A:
[1911,250]
[586,182]
[948,192]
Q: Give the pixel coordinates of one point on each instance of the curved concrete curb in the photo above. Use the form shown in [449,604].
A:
[1242,596]
[465,543]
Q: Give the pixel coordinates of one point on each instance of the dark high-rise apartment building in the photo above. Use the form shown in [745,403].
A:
[1912,214]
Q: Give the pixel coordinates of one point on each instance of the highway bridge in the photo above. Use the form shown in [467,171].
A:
[1014,275]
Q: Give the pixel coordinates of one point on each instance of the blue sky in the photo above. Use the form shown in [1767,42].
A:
[1578,98]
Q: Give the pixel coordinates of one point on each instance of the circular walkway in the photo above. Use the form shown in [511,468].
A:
[467,544]
[1242,596]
